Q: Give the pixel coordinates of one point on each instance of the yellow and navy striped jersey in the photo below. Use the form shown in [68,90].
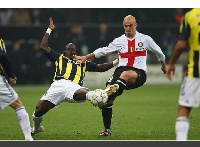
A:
[3,51]
[190,31]
[68,68]
[4,61]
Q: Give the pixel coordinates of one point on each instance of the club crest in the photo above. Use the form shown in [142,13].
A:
[140,44]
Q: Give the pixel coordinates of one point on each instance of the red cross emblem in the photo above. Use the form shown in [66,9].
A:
[131,54]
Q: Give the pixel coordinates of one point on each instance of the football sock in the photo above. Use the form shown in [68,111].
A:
[23,119]
[88,95]
[107,115]
[37,121]
[122,85]
[182,128]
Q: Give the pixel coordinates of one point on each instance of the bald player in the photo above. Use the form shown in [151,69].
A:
[131,71]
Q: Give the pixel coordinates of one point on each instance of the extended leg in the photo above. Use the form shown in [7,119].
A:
[42,108]
[126,78]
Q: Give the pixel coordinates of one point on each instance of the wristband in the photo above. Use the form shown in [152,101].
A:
[115,62]
[49,31]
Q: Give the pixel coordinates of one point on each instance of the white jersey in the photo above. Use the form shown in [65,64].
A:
[132,52]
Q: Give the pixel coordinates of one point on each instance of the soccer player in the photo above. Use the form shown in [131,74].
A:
[8,96]
[131,71]
[68,79]
[189,95]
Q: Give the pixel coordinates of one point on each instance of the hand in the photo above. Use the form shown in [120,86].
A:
[51,25]
[164,69]
[171,68]
[82,58]
[13,80]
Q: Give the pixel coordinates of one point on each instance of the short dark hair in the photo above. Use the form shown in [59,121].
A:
[66,46]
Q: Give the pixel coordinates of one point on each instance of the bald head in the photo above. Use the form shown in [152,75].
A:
[130,25]
[130,18]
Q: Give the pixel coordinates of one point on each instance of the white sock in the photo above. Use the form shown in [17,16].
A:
[182,128]
[37,121]
[88,95]
[23,119]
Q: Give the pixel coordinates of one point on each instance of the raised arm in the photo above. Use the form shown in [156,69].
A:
[44,44]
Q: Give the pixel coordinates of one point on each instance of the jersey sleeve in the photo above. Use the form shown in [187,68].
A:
[112,47]
[184,31]
[4,60]
[52,55]
[90,66]
[153,47]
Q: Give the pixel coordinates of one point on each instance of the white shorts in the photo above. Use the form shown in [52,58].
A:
[61,91]
[7,93]
[190,92]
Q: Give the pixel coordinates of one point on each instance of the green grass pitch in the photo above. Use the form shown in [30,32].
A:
[145,113]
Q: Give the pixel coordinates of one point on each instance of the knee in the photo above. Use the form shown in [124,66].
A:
[129,76]
[80,94]
[124,74]
[17,104]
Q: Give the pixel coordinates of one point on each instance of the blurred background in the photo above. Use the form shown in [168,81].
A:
[88,28]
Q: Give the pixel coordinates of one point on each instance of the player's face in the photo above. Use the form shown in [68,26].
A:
[70,50]
[130,27]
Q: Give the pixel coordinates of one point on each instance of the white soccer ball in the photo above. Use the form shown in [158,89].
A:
[98,97]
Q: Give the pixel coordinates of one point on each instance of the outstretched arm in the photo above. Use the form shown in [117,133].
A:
[178,49]
[103,51]
[106,66]
[84,58]
[44,44]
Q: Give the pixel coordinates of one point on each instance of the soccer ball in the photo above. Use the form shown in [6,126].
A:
[98,97]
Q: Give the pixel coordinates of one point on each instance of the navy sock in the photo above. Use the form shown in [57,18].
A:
[107,116]
[122,85]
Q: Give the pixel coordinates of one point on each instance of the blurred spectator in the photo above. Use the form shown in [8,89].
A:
[57,15]
[35,15]
[20,60]
[76,15]
[168,41]
[101,39]
[37,71]
[78,37]
[142,16]
[5,14]
[178,15]
[20,16]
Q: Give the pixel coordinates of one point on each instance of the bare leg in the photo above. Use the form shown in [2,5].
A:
[43,107]
[80,94]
